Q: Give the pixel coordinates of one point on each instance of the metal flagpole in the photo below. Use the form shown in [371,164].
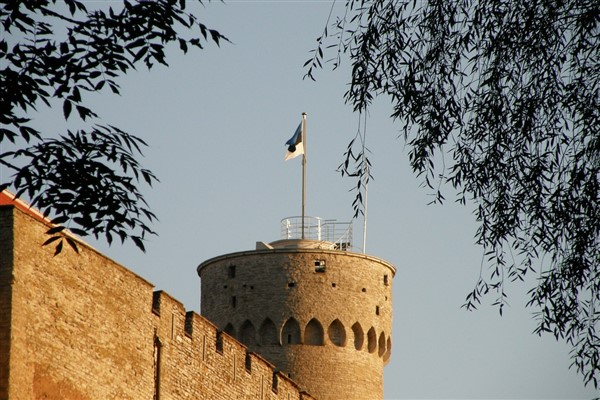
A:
[365,213]
[303,169]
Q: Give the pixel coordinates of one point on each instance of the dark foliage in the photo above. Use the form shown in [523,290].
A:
[500,100]
[56,51]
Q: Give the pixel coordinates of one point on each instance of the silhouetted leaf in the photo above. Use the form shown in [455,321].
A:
[58,248]
[51,240]
[54,230]
[67,108]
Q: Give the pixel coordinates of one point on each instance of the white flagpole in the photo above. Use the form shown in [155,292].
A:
[303,169]
[365,216]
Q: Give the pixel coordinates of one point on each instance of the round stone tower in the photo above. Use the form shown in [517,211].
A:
[319,312]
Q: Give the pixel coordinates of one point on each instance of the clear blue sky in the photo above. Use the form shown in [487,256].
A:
[216,122]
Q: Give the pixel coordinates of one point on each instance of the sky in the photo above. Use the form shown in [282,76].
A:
[216,122]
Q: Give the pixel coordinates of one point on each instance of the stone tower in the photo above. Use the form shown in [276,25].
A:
[319,312]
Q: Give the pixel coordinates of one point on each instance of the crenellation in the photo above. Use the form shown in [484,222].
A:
[156,302]
[189,323]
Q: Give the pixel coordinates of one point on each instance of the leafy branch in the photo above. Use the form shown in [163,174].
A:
[510,92]
[88,179]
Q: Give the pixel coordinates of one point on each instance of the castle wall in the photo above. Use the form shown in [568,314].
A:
[80,326]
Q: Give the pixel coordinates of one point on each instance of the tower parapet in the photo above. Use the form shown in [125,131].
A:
[319,313]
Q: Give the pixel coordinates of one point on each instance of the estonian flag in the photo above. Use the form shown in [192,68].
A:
[295,144]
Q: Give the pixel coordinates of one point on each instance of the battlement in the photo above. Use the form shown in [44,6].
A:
[200,341]
[89,328]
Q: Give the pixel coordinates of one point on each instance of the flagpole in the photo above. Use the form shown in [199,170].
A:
[365,214]
[303,169]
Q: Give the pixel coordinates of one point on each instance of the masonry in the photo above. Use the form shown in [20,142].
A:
[322,315]
[80,326]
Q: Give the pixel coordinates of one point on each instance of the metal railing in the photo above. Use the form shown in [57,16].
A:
[339,234]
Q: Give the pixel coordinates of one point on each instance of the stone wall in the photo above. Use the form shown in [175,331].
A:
[323,316]
[80,326]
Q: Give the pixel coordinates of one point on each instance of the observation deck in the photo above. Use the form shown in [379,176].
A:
[318,233]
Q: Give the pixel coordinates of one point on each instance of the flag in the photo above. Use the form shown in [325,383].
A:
[295,144]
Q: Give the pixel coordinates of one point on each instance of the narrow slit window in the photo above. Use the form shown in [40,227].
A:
[231,272]
[157,355]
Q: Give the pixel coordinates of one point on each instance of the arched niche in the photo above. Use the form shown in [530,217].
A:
[371,340]
[313,333]
[248,333]
[337,333]
[268,333]
[359,336]
[229,329]
[290,334]
[381,344]
[388,349]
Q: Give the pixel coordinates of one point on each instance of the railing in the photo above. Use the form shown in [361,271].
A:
[339,234]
